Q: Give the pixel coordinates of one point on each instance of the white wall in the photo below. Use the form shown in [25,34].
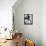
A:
[29,31]
[6,13]
[43,22]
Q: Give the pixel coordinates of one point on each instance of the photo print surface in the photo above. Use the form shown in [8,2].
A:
[28,19]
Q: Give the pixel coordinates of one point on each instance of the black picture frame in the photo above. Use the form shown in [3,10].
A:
[28,19]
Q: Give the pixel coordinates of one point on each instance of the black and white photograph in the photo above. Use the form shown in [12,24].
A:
[28,19]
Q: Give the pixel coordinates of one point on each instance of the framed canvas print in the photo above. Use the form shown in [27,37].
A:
[28,19]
